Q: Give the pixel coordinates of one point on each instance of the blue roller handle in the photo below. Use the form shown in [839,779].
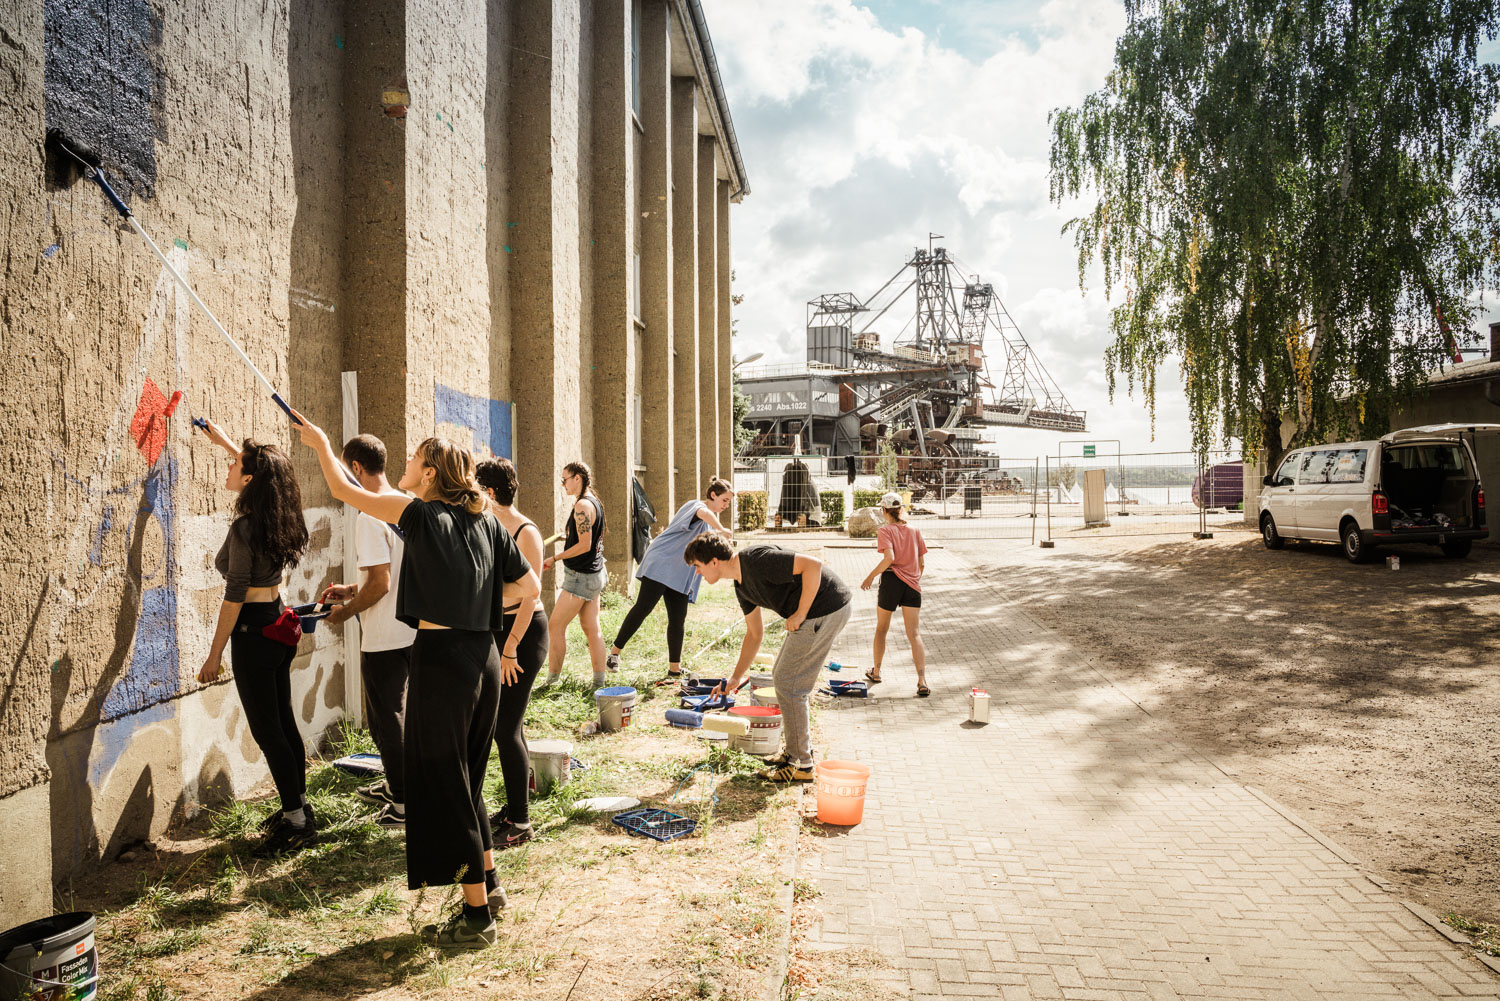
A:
[114,199]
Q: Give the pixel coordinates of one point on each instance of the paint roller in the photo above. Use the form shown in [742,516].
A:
[689,720]
[89,161]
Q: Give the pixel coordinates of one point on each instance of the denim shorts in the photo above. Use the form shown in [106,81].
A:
[585,585]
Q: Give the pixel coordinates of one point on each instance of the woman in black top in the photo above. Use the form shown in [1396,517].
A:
[584,575]
[454,572]
[267,537]
[511,824]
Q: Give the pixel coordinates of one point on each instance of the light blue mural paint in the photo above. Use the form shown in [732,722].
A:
[112,738]
[488,419]
[101,531]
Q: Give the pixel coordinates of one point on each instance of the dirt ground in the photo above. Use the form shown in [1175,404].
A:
[1363,698]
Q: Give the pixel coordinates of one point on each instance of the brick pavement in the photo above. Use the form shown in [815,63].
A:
[1073,848]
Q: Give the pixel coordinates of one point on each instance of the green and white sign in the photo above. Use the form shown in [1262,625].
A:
[1088,451]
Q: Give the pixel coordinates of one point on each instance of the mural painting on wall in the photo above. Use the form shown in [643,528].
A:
[487,421]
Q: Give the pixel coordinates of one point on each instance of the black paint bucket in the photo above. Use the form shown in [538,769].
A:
[50,959]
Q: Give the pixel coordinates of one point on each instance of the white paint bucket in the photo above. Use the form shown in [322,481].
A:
[50,958]
[615,706]
[550,760]
[761,679]
[764,697]
[765,729]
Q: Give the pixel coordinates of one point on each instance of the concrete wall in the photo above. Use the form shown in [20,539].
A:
[439,197]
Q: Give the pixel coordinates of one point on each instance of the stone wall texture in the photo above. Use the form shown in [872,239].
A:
[440,197]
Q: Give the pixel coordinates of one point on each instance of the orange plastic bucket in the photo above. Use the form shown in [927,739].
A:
[841,792]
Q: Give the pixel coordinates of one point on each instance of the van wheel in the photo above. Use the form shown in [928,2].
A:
[1458,549]
[1268,533]
[1354,544]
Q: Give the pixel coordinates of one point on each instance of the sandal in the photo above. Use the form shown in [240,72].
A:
[872,678]
[923,691]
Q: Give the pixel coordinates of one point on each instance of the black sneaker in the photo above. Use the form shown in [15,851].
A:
[508,835]
[612,662]
[499,819]
[458,933]
[391,817]
[287,838]
[274,820]
[376,792]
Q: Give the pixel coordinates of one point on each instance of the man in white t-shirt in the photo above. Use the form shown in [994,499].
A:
[384,642]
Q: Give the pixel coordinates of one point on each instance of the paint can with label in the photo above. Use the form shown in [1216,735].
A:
[50,959]
[615,706]
[550,764]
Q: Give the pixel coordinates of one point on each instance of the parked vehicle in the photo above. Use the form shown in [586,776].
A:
[1417,485]
[1220,485]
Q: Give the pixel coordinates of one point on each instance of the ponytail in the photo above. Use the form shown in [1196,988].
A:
[581,470]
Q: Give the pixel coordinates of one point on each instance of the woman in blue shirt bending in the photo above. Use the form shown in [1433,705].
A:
[665,577]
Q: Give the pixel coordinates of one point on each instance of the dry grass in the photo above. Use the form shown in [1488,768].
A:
[594,913]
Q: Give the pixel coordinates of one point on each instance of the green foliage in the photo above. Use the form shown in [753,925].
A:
[1294,199]
[885,466]
[867,498]
[752,505]
[833,507]
[740,404]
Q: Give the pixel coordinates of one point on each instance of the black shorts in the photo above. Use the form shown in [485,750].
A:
[895,592]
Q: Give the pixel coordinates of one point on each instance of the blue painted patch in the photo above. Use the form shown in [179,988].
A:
[488,419]
[101,531]
[112,738]
[51,251]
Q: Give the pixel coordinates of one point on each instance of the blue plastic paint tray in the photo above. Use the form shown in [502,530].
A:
[360,764]
[702,686]
[310,613]
[707,703]
[658,825]
[849,689]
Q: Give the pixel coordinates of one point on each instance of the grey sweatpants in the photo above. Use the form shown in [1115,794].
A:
[796,672]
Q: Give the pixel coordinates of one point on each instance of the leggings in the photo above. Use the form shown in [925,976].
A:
[510,736]
[452,696]
[649,593]
[263,678]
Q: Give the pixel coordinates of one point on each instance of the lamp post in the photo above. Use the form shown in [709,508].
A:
[736,363]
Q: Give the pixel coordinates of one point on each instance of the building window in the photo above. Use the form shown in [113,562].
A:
[636,459]
[635,57]
[635,288]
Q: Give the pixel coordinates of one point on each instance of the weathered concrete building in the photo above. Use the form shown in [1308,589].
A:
[508,220]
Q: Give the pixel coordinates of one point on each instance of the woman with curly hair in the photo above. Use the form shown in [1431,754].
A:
[267,537]
[459,566]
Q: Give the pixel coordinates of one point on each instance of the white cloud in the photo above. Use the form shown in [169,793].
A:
[861,138]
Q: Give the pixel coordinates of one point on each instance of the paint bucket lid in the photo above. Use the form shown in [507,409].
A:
[618,691]
[608,804]
[539,747]
[765,693]
[755,711]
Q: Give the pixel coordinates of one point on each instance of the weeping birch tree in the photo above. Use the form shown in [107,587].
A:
[1296,201]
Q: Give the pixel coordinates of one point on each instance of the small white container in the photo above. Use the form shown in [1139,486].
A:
[550,764]
[979,706]
[1393,561]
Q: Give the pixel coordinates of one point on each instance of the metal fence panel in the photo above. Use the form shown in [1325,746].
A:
[1157,493]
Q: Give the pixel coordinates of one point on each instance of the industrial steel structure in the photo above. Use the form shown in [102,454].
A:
[929,393]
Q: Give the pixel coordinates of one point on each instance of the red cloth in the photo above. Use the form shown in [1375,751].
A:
[905,544]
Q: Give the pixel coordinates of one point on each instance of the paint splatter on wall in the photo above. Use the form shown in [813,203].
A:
[487,419]
[103,83]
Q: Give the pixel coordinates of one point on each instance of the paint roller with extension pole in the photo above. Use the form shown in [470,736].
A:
[90,163]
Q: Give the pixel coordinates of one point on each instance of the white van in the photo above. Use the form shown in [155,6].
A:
[1414,485]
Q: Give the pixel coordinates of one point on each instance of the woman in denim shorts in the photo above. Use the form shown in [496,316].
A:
[584,576]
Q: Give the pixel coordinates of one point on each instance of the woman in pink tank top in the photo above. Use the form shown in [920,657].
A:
[900,572]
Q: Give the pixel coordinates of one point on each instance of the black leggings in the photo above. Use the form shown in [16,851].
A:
[452,696]
[510,735]
[263,677]
[646,597]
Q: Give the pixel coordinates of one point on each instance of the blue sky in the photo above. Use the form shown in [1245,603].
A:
[864,126]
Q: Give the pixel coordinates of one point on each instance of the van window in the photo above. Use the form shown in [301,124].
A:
[1348,466]
[1315,466]
[1451,458]
[1288,469]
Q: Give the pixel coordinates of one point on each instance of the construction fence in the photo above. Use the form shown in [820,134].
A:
[1036,499]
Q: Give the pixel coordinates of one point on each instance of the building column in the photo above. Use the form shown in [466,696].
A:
[685,286]
[726,357]
[373,304]
[612,200]
[655,220]
[542,254]
[708,310]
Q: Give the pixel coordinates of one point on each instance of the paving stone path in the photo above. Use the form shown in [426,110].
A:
[1073,848]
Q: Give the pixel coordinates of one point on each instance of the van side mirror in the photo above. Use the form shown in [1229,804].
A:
[1269,479]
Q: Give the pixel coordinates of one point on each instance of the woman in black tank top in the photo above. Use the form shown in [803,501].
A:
[584,576]
[512,822]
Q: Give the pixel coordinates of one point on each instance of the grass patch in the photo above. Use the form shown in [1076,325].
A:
[1486,936]
[337,920]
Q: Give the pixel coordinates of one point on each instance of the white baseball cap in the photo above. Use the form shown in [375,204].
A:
[891,500]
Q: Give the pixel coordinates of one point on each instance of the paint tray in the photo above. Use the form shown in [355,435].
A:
[707,703]
[360,764]
[700,686]
[849,689]
[310,613]
[658,825]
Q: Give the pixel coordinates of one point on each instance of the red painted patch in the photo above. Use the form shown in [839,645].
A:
[149,425]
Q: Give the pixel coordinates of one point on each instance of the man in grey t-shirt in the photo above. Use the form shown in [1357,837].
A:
[815,604]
